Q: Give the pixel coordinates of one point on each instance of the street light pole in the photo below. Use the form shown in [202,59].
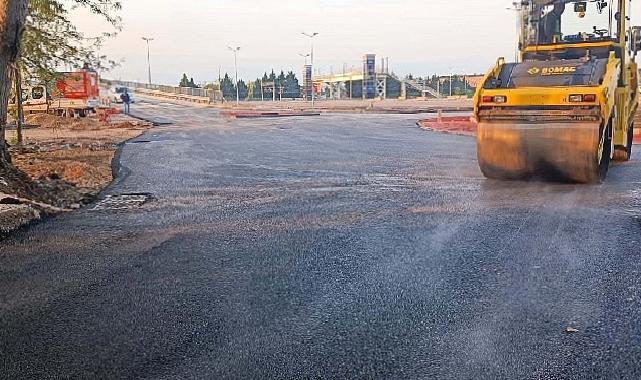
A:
[305,56]
[311,37]
[235,51]
[305,73]
[148,40]
[518,8]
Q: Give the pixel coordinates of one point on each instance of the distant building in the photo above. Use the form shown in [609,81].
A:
[474,80]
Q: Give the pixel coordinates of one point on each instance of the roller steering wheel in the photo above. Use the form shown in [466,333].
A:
[601,32]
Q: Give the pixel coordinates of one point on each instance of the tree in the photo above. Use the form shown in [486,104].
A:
[228,88]
[13,15]
[17,77]
[37,37]
[255,90]
[187,82]
[184,82]
[292,86]
[242,89]
[52,41]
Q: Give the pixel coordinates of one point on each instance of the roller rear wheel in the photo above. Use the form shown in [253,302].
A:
[625,153]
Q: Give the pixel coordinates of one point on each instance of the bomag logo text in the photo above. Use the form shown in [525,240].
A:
[559,70]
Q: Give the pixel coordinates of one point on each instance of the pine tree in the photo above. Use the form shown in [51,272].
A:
[184,81]
[228,88]
[242,89]
[292,86]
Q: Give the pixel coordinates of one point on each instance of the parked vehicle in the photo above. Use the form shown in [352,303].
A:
[75,93]
[115,94]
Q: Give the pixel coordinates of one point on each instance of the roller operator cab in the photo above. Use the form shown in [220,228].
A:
[566,108]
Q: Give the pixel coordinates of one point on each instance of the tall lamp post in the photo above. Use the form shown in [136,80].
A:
[311,37]
[305,56]
[305,73]
[235,51]
[518,8]
[148,40]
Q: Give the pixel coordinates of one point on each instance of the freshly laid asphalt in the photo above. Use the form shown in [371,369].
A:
[343,246]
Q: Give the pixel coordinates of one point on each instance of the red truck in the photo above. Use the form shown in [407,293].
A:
[74,94]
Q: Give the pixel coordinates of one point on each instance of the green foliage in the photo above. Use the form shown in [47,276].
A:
[243,90]
[52,41]
[292,86]
[228,88]
[286,83]
[255,89]
[13,141]
[186,82]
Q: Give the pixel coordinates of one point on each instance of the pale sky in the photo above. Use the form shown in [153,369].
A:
[419,36]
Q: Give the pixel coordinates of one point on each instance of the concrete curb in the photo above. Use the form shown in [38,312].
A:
[244,114]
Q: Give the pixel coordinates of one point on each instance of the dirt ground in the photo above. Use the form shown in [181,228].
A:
[62,164]
[78,151]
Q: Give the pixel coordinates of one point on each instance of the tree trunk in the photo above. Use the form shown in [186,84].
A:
[12,18]
[20,122]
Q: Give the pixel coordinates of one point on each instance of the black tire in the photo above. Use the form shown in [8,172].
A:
[604,165]
[630,140]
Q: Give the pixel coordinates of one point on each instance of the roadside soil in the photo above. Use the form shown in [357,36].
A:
[62,165]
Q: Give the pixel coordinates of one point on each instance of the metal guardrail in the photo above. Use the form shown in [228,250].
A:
[213,95]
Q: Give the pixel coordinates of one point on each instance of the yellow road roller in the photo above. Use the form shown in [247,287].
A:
[566,107]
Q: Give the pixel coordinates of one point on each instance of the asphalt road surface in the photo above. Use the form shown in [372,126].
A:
[347,246]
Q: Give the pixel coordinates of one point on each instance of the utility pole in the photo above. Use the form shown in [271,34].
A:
[148,40]
[311,37]
[235,51]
